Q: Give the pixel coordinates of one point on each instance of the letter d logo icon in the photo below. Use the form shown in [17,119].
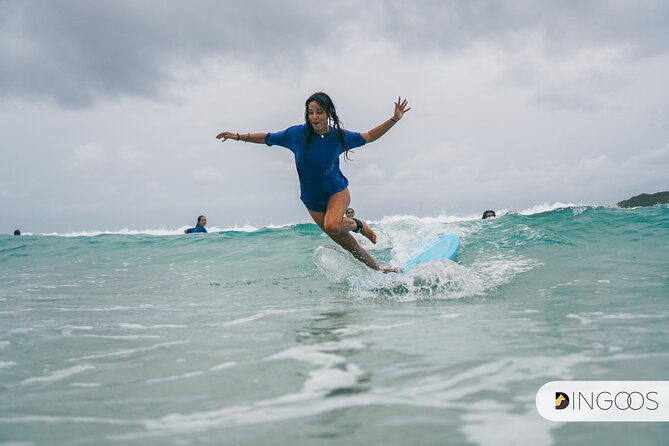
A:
[561,400]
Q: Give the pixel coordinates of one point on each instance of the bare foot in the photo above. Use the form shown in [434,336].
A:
[393,269]
[368,232]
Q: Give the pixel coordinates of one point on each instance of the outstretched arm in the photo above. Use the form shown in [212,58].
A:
[381,129]
[258,138]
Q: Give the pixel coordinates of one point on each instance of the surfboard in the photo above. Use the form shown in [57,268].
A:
[446,246]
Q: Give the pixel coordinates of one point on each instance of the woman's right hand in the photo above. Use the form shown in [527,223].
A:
[226,135]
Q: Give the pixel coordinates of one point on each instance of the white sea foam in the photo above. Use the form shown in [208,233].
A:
[357,329]
[115,308]
[583,320]
[498,270]
[243,320]
[488,425]
[131,351]
[127,326]
[161,231]
[155,232]
[440,219]
[431,392]
[175,377]
[334,372]
[255,317]
[546,207]
[222,366]
[434,392]
[442,279]
[58,375]
[193,374]
[68,329]
[324,380]
[21,330]
[629,316]
[123,337]
[319,354]
[30,419]
[588,318]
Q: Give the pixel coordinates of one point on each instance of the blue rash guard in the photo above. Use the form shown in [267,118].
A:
[196,229]
[317,165]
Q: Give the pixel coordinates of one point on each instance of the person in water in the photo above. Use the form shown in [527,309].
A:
[488,214]
[317,145]
[17,232]
[350,213]
[199,227]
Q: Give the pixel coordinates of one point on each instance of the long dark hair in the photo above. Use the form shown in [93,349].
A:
[324,101]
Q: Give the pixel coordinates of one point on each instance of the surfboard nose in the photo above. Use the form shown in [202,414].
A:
[446,246]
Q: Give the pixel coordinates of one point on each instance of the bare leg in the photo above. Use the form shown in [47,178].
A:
[339,228]
[336,223]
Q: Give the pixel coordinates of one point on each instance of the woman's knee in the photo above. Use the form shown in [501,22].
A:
[332,227]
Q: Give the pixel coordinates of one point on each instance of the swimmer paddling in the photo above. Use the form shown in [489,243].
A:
[317,145]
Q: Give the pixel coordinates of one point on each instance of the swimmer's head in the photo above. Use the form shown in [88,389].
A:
[350,213]
[488,214]
[17,232]
[201,220]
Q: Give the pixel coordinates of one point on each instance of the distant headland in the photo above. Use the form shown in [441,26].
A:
[645,200]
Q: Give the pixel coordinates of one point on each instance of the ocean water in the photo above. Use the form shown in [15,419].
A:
[264,337]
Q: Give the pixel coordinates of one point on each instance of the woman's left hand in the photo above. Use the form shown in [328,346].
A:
[224,136]
[400,108]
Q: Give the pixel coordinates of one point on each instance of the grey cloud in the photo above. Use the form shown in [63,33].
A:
[564,25]
[576,102]
[76,52]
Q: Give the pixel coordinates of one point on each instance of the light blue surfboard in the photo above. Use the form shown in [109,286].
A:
[446,246]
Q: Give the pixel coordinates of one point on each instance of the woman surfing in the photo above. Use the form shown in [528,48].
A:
[317,145]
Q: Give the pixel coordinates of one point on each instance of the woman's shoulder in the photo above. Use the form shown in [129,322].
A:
[296,132]
[353,139]
[289,138]
[297,128]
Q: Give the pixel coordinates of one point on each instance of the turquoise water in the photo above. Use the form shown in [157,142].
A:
[262,337]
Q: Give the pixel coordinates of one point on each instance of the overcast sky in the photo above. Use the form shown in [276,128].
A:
[109,109]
